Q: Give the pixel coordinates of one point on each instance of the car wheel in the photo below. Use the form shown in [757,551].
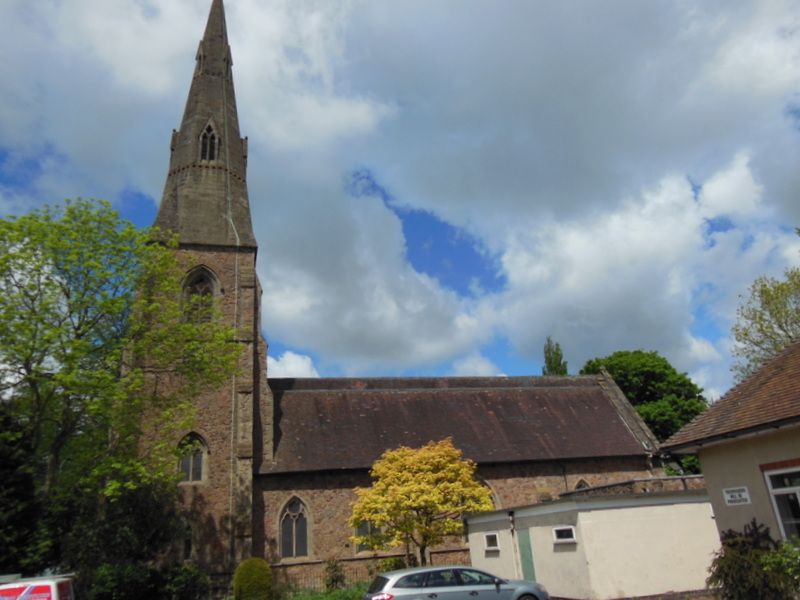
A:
[527,597]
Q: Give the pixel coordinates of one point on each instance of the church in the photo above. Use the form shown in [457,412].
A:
[274,461]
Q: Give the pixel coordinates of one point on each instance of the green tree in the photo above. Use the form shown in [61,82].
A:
[554,363]
[93,328]
[767,321]
[418,497]
[665,398]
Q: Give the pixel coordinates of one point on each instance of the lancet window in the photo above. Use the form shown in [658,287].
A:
[294,529]
[209,144]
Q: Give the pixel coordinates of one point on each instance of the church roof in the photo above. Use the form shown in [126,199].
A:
[333,424]
[767,399]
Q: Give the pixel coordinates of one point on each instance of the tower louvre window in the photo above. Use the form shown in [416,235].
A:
[199,291]
[208,144]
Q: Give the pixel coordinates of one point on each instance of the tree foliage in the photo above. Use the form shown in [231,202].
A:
[665,398]
[767,321]
[93,327]
[418,497]
[554,363]
[749,566]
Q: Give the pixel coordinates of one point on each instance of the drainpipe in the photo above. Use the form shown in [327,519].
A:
[514,545]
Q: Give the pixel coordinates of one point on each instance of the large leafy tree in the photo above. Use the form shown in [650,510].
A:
[767,321]
[95,352]
[554,363]
[418,497]
[665,398]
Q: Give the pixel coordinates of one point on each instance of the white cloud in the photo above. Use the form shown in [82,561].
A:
[291,364]
[560,135]
[476,365]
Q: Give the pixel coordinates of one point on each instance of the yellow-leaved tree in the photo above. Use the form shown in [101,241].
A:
[418,497]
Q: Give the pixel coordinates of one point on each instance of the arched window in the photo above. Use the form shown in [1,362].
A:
[208,144]
[294,529]
[582,485]
[192,462]
[199,290]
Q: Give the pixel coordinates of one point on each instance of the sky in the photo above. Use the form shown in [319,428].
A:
[436,187]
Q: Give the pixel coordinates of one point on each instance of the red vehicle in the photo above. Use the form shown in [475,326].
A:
[57,587]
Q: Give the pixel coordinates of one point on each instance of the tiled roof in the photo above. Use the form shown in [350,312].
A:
[330,424]
[770,397]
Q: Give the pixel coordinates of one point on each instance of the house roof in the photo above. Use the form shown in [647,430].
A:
[768,398]
[332,424]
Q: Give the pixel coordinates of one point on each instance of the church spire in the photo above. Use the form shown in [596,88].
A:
[205,198]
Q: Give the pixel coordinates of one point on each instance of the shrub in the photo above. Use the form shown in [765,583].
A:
[186,582]
[124,582]
[738,569]
[252,580]
[786,560]
[334,575]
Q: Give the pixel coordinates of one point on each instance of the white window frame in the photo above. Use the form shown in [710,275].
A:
[571,540]
[486,543]
[780,492]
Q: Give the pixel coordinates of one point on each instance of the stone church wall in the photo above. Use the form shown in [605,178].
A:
[328,498]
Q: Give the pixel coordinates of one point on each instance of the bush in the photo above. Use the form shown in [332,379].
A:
[738,569]
[786,560]
[334,575]
[124,582]
[186,582]
[252,580]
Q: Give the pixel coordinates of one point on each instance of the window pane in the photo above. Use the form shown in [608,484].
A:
[411,581]
[785,480]
[287,537]
[300,531]
[469,577]
[789,510]
[197,465]
[185,467]
[445,577]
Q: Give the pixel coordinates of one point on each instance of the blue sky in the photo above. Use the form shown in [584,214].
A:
[436,187]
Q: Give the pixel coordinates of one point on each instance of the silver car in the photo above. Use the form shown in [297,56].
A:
[450,583]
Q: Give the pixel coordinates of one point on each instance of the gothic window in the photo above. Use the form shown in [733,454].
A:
[294,529]
[581,485]
[365,529]
[199,291]
[208,144]
[193,453]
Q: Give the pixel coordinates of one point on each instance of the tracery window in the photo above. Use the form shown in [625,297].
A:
[294,529]
[208,144]
[199,291]
[193,452]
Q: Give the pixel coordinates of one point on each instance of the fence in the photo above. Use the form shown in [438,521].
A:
[310,575]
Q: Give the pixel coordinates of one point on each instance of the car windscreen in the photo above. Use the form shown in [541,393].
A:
[377,584]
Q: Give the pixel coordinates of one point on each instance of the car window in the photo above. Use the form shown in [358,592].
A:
[415,580]
[470,577]
[377,584]
[441,578]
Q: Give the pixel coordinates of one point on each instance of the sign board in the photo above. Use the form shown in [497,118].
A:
[736,496]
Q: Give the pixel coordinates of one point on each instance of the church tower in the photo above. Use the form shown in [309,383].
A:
[205,202]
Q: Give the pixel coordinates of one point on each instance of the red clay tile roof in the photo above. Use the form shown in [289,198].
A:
[331,424]
[770,397]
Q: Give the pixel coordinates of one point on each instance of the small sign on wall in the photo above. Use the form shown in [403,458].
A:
[737,495]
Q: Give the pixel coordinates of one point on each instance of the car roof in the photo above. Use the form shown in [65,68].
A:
[410,570]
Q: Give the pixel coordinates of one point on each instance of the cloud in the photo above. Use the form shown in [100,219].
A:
[291,364]
[560,137]
[475,365]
